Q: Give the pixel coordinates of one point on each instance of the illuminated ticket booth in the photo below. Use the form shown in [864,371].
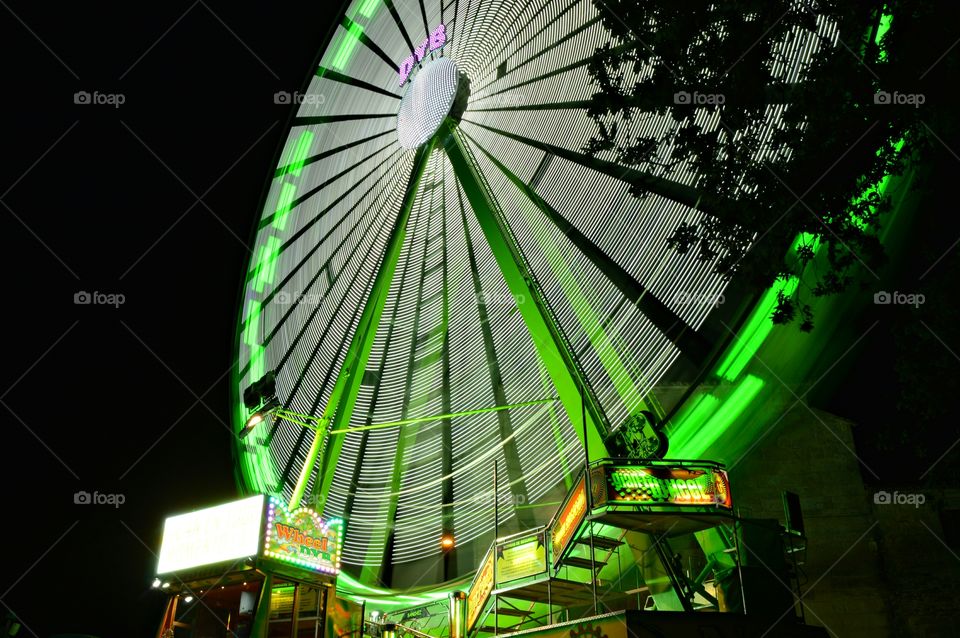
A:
[251,568]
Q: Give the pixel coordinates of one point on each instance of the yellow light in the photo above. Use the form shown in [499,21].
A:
[446,541]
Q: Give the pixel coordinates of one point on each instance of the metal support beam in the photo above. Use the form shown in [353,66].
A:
[548,340]
[339,408]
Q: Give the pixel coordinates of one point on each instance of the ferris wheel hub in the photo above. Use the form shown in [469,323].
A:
[438,91]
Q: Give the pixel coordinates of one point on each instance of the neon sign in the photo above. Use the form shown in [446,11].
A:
[436,40]
[480,591]
[302,538]
[521,558]
[569,520]
[657,485]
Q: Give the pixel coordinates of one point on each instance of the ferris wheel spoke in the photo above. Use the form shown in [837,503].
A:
[374,551]
[511,454]
[357,31]
[553,44]
[551,345]
[328,119]
[669,323]
[336,76]
[499,44]
[268,219]
[325,267]
[283,170]
[661,186]
[340,405]
[552,106]
[400,26]
[544,76]
[400,458]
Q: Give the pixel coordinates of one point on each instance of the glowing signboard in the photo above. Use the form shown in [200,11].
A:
[569,519]
[659,485]
[521,558]
[213,535]
[436,40]
[302,538]
[480,591]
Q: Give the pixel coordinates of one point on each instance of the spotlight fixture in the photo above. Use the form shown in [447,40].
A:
[261,398]
[260,391]
[260,415]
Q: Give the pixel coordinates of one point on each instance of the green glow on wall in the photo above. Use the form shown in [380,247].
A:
[348,44]
[754,331]
[288,192]
[725,415]
[688,422]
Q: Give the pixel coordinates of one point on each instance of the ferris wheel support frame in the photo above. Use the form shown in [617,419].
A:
[343,397]
[572,389]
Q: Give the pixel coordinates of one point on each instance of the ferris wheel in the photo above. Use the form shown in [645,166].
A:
[446,281]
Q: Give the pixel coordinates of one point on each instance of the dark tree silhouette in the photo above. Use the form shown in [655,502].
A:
[765,150]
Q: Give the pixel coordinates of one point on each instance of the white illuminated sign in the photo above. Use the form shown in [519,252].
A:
[427,102]
[213,535]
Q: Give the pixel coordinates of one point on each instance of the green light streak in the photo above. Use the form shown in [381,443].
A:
[755,331]
[368,8]
[252,329]
[725,416]
[299,154]
[348,44]
[689,421]
[288,193]
[266,263]
[440,417]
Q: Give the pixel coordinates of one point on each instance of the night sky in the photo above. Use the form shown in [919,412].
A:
[156,200]
[130,400]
